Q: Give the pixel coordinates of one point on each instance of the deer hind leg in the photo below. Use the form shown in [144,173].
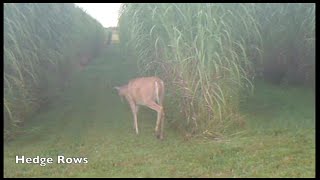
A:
[162,124]
[134,109]
[159,110]
[161,97]
[158,123]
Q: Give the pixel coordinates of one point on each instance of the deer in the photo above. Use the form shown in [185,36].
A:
[145,91]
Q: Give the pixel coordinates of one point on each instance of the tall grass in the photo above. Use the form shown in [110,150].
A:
[289,43]
[43,44]
[201,51]
[208,54]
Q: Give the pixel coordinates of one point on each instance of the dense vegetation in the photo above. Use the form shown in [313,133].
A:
[44,44]
[209,54]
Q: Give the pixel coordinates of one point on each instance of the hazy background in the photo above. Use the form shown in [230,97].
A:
[105,13]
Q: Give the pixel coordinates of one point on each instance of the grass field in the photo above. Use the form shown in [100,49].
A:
[91,121]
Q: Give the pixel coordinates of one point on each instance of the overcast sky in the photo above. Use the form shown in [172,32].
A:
[105,13]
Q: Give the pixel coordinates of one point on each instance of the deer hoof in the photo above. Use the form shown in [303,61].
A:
[159,136]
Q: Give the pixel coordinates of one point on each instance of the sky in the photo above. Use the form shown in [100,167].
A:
[105,13]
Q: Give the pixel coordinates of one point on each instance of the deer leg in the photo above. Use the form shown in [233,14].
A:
[134,109]
[136,119]
[159,110]
[158,123]
[162,124]
[162,114]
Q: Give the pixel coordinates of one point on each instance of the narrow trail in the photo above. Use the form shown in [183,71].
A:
[90,105]
[89,120]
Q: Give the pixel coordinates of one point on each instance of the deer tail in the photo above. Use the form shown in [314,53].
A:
[157,91]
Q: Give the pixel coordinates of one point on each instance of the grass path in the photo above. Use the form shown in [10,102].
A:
[91,121]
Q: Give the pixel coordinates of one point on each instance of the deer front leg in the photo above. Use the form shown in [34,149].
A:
[136,118]
[134,109]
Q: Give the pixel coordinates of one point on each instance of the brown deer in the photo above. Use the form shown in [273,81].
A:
[145,91]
